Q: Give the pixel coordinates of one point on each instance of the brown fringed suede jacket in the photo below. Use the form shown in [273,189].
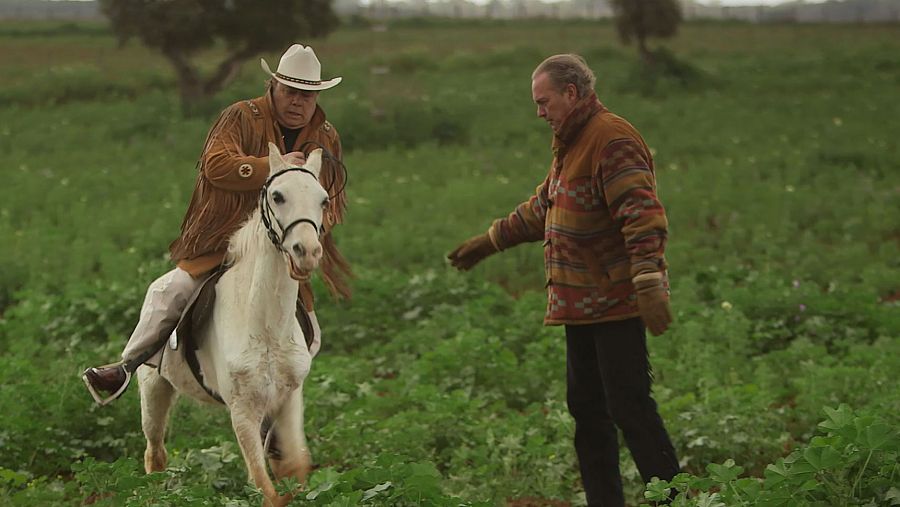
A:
[233,167]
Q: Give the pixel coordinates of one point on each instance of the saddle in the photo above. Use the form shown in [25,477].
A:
[196,316]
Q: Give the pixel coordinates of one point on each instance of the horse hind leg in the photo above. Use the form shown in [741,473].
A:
[292,458]
[157,397]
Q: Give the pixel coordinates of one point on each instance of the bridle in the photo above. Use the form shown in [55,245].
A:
[267,215]
[265,209]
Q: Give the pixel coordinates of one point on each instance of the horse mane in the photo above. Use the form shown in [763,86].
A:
[243,242]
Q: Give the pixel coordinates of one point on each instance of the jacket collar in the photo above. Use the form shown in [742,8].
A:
[578,117]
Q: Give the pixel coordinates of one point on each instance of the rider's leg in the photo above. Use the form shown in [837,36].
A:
[163,305]
[166,299]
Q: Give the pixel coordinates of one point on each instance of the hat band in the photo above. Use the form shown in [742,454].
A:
[297,80]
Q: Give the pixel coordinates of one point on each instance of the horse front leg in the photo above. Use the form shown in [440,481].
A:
[246,422]
[293,457]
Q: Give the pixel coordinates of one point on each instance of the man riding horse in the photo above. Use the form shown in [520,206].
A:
[232,169]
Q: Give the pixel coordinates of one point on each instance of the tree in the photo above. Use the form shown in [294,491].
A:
[180,29]
[642,19]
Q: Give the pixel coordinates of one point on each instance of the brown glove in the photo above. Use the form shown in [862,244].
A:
[471,252]
[653,302]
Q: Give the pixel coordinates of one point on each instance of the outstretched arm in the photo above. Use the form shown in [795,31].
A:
[525,223]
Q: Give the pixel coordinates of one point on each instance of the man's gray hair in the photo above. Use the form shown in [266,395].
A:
[568,69]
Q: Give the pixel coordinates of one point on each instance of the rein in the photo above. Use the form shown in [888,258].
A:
[326,155]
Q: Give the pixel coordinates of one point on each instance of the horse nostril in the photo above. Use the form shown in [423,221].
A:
[299,250]
[317,252]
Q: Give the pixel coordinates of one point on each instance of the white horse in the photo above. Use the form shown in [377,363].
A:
[254,354]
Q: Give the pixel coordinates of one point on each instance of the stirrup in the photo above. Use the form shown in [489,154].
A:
[114,396]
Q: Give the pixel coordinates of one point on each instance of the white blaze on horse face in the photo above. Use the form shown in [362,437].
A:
[297,195]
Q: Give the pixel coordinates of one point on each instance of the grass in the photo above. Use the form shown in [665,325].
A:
[776,163]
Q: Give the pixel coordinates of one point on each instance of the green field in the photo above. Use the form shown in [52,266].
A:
[777,159]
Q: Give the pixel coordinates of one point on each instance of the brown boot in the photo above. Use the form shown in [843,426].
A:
[110,379]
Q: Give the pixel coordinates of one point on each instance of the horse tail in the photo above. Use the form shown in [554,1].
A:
[269,439]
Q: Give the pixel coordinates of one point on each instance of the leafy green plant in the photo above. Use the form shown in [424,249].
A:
[854,463]
[389,481]
[781,197]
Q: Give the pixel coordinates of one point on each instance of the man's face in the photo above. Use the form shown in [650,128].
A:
[553,105]
[293,108]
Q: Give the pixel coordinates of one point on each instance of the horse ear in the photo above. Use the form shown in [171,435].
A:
[314,161]
[275,160]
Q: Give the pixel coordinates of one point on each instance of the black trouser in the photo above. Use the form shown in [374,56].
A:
[608,379]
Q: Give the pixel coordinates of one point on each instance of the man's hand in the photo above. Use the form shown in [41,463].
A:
[295,158]
[653,302]
[471,252]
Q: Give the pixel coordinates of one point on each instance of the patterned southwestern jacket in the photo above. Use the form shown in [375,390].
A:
[598,215]
[232,169]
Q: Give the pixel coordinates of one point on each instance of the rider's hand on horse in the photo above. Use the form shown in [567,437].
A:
[471,252]
[653,302]
[295,158]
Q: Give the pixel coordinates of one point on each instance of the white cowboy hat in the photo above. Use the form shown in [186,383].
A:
[299,68]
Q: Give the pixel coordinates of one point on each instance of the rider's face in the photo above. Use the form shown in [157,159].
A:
[293,108]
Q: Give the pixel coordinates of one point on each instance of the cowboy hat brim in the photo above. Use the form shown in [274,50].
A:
[299,84]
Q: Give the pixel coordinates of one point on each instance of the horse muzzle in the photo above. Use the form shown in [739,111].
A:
[305,255]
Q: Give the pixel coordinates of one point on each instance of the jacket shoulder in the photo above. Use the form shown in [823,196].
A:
[248,109]
[608,127]
[328,128]
[605,130]
[242,110]
[329,131]
[251,107]
[619,127]
[254,109]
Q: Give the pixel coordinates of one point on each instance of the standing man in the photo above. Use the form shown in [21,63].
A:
[604,234]
[233,167]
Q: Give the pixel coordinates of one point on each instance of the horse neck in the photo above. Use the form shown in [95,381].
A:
[271,295]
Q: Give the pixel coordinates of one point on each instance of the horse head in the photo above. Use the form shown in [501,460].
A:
[292,206]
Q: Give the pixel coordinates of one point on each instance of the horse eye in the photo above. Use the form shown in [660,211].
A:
[277,197]
[325,203]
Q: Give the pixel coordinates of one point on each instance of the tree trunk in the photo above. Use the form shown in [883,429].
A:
[226,71]
[640,33]
[646,54]
[192,88]
[192,97]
